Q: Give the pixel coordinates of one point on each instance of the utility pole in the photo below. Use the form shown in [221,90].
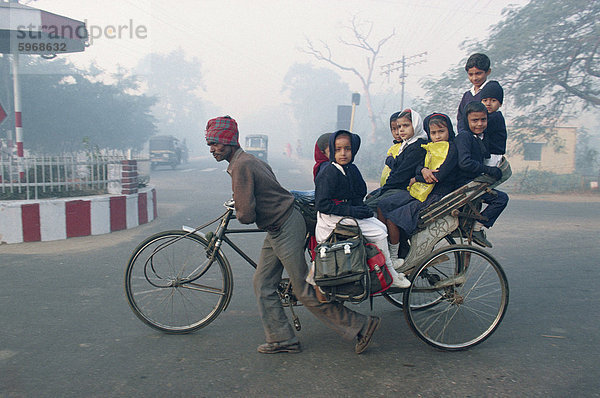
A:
[404,63]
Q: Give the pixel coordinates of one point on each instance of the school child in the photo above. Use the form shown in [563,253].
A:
[471,154]
[410,155]
[478,69]
[339,192]
[394,149]
[495,135]
[400,212]
[321,153]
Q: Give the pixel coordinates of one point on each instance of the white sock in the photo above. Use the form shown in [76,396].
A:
[394,249]
[382,245]
[478,226]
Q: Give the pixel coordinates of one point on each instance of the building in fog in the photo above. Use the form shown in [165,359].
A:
[539,154]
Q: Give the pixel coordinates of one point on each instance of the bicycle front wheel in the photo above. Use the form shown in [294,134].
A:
[470,292]
[172,286]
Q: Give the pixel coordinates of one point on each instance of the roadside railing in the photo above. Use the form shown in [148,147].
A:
[67,175]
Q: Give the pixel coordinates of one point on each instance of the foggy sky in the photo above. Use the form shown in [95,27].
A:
[246,48]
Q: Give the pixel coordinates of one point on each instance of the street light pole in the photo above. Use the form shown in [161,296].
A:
[355,101]
[18,115]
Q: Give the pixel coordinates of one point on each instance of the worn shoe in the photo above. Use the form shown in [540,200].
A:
[480,238]
[400,281]
[364,340]
[291,346]
[321,297]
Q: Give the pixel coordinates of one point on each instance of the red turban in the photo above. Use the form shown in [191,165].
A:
[222,130]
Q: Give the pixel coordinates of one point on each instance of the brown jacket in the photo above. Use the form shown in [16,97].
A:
[258,196]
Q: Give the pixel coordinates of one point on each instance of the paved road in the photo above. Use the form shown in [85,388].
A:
[66,329]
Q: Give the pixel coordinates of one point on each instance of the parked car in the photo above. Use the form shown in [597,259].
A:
[258,145]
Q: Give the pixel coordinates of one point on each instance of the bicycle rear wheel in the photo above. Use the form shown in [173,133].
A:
[172,286]
[425,301]
[470,292]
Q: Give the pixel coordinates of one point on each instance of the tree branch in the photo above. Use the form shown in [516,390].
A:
[361,41]
[318,54]
[594,100]
[589,62]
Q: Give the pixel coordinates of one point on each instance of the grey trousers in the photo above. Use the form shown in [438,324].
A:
[284,249]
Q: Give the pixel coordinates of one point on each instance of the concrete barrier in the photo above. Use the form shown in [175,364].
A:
[55,219]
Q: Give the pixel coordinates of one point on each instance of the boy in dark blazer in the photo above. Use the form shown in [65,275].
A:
[471,155]
[478,69]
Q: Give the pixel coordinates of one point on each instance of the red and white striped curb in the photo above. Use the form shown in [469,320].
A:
[55,219]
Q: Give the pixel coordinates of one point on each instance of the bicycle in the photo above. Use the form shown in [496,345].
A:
[171,290]
[179,281]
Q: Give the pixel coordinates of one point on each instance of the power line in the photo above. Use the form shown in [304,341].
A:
[401,65]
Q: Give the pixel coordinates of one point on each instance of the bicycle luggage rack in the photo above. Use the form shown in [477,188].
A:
[453,201]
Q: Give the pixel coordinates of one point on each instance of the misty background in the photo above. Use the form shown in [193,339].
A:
[282,67]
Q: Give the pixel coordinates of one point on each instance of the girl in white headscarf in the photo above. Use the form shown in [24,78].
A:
[403,165]
[410,127]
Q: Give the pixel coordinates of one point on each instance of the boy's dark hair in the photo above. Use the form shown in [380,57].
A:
[479,61]
[405,113]
[474,106]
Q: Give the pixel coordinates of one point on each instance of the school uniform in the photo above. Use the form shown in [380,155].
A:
[403,165]
[402,209]
[339,192]
[469,96]
[495,134]
[471,155]
[393,152]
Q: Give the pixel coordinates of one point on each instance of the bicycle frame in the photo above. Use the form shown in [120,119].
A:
[215,241]
[222,232]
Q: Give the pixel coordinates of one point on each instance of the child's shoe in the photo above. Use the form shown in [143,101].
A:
[480,238]
[400,281]
[397,263]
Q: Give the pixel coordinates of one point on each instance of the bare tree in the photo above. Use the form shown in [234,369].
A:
[361,32]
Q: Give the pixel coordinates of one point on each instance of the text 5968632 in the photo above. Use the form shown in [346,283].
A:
[42,47]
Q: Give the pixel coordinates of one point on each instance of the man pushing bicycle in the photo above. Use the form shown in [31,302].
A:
[260,199]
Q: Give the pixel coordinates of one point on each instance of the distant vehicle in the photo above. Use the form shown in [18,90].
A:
[165,150]
[257,145]
[185,152]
